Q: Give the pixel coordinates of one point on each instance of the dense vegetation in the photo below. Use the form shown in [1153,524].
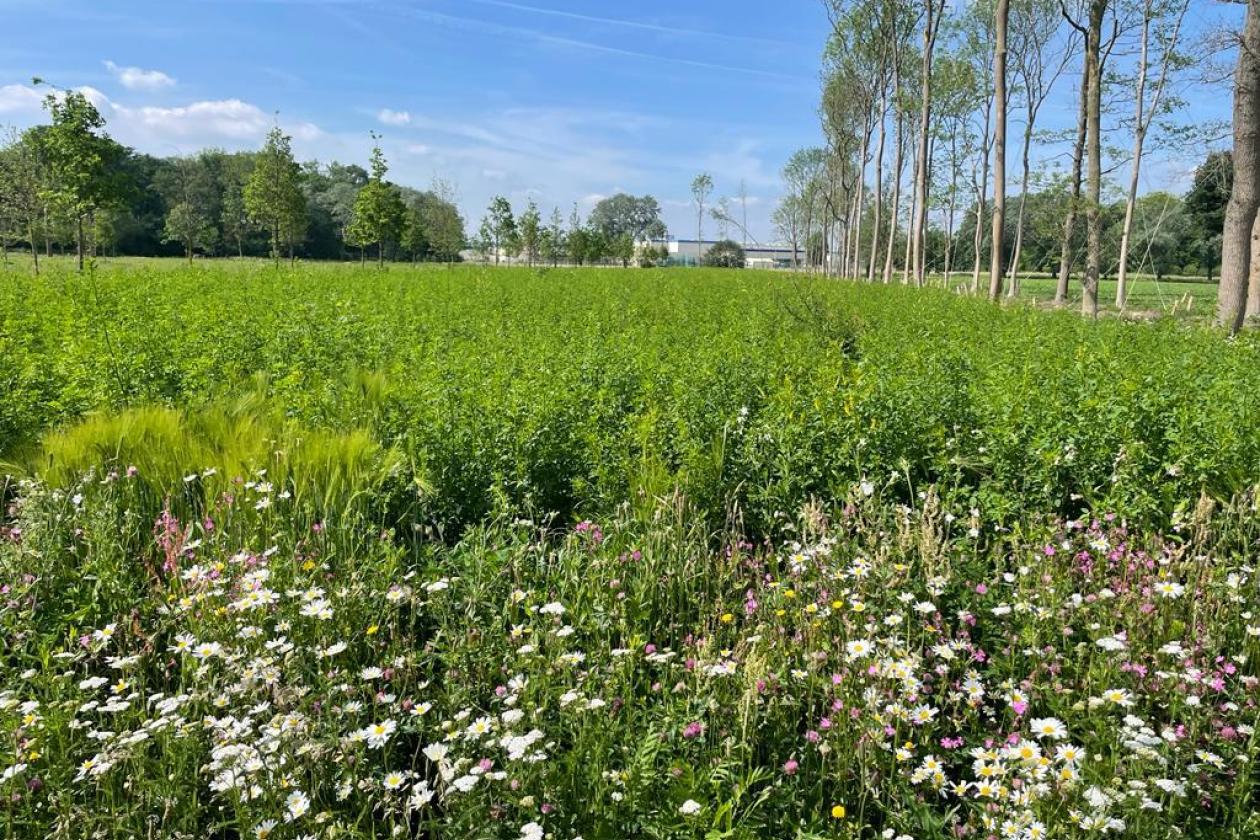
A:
[573,391]
[334,552]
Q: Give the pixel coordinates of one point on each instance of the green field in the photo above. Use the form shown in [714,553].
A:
[429,551]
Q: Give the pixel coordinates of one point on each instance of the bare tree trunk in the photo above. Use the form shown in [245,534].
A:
[879,185]
[1066,250]
[982,205]
[1240,215]
[1253,283]
[934,10]
[79,243]
[909,256]
[999,156]
[899,161]
[30,226]
[1093,206]
[1013,271]
[1139,136]
[859,200]
[953,206]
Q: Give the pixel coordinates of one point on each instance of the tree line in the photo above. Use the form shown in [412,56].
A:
[913,178]
[619,228]
[68,187]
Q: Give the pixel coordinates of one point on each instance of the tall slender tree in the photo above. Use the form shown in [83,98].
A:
[1166,17]
[1093,142]
[273,196]
[1039,55]
[530,231]
[933,12]
[1240,238]
[701,186]
[1001,19]
[379,211]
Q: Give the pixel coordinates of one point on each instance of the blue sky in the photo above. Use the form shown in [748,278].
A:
[555,100]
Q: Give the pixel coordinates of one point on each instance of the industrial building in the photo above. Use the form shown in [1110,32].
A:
[691,251]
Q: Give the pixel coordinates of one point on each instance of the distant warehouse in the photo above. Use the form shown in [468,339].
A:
[690,251]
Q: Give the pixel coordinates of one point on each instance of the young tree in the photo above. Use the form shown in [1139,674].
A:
[83,164]
[957,92]
[999,149]
[701,186]
[1236,300]
[1067,250]
[801,177]
[414,240]
[554,248]
[578,238]
[20,205]
[442,222]
[980,44]
[1166,16]
[501,225]
[483,243]
[191,191]
[1206,204]
[234,218]
[622,248]
[273,195]
[933,12]
[530,232]
[1038,65]
[379,212]
[187,224]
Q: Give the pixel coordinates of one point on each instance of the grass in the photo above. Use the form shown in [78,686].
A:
[463,552]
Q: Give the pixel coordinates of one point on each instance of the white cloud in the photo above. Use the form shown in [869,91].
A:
[417,149]
[22,99]
[226,118]
[161,129]
[136,78]
[389,117]
[19,98]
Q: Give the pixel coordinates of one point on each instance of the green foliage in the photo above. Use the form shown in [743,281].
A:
[566,391]
[725,254]
[530,232]
[379,213]
[622,214]
[273,195]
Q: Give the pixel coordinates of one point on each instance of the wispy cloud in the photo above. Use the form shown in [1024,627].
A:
[518,33]
[468,24]
[390,117]
[137,78]
[632,24]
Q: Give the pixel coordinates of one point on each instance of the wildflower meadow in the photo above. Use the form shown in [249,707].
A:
[464,553]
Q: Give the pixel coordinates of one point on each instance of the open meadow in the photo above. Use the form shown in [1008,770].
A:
[458,552]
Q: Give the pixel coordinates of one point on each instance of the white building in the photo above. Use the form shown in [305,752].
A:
[691,251]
